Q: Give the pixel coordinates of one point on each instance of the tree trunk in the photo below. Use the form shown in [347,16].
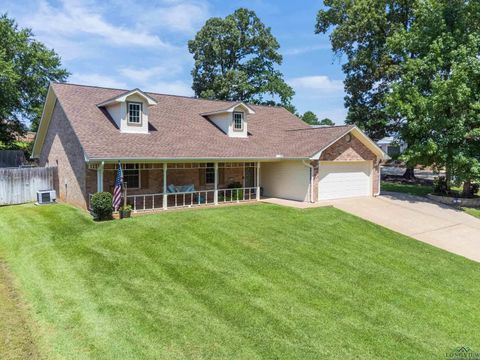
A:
[448,170]
[467,188]
[409,173]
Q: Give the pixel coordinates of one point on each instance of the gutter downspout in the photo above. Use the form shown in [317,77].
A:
[311,179]
[379,188]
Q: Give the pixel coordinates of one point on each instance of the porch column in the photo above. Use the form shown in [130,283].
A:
[100,177]
[165,196]
[215,194]
[258,181]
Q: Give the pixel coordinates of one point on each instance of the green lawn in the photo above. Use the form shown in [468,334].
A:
[257,281]
[472,211]
[419,190]
[16,340]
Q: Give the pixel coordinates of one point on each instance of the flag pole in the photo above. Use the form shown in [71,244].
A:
[124,189]
[124,194]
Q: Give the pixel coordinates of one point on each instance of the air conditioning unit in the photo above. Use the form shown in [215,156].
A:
[46,197]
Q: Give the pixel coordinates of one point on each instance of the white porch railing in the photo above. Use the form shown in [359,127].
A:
[151,202]
[237,195]
[90,202]
[145,202]
[190,199]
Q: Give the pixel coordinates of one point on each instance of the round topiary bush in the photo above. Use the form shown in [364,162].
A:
[102,205]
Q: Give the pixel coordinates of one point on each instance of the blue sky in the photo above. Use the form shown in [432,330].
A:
[136,43]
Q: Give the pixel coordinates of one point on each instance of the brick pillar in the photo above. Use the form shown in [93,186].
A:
[376,178]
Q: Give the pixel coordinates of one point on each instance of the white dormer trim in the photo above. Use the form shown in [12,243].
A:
[119,110]
[231,109]
[123,98]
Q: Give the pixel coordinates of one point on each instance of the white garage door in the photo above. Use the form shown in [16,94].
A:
[344,179]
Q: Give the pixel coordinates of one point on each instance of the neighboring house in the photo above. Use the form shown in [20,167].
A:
[28,137]
[180,151]
[392,146]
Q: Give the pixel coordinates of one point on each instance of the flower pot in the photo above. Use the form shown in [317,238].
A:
[125,214]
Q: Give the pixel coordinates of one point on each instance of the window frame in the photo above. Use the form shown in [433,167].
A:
[210,170]
[140,113]
[139,175]
[242,119]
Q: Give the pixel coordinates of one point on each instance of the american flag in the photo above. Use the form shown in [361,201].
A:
[117,191]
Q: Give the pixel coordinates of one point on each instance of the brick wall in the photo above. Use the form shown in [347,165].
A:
[376,179]
[62,149]
[343,150]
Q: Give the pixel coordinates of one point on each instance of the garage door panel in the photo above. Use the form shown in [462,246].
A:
[342,180]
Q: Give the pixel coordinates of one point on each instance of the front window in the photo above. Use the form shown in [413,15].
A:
[210,174]
[134,113]
[238,121]
[131,175]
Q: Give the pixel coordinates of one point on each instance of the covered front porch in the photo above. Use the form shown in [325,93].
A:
[171,185]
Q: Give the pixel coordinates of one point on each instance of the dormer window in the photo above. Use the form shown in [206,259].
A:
[134,113]
[233,121]
[238,121]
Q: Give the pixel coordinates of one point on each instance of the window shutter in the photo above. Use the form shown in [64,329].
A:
[144,178]
[201,173]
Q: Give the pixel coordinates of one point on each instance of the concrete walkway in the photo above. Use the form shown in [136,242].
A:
[436,224]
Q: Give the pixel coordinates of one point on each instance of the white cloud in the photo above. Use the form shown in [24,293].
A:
[74,18]
[319,83]
[180,16]
[305,49]
[175,87]
[143,75]
[97,80]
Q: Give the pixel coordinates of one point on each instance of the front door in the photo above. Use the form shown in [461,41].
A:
[249,177]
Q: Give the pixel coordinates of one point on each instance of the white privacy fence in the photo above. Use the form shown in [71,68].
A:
[20,185]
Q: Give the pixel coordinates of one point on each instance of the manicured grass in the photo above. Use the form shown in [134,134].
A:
[258,281]
[419,190]
[16,340]
[472,211]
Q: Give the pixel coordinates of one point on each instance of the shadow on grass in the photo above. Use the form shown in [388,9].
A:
[16,340]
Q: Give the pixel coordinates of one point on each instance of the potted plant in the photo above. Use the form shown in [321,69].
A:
[125,211]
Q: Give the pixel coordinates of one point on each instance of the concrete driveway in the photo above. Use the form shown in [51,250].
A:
[439,225]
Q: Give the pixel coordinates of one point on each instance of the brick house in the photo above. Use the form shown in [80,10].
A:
[178,151]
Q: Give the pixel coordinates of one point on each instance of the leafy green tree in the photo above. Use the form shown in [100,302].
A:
[326,122]
[437,95]
[290,107]
[361,29]
[310,118]
[236,58]
[26,68]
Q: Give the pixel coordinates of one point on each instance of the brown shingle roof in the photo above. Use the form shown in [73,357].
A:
[179,131]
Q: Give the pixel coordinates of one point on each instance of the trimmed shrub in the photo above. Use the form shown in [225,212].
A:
[102,205]
[234,185]
[475,188]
